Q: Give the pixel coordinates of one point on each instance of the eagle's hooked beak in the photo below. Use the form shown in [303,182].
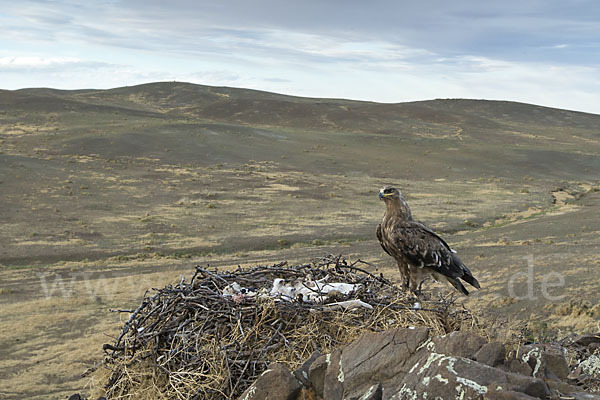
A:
[381,195]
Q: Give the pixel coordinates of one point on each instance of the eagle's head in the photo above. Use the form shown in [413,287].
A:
[389,192]
[394,202]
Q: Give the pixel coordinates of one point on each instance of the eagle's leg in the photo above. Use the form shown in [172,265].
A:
[416,279]
[404,274]
[419,289]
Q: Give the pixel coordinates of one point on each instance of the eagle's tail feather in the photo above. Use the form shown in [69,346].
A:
[467,276]
[458,285]
[470,279]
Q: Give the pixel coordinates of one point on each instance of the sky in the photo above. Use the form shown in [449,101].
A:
[544,52]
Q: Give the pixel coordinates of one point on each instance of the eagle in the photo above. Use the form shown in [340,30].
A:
[418,250]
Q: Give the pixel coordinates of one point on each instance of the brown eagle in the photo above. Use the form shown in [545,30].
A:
[417,249]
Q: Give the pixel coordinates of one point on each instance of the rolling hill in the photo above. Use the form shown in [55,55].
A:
[73,158]
[105,193]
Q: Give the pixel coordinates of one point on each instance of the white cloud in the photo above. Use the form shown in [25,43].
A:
[380,51]
[332,48]
[36,61]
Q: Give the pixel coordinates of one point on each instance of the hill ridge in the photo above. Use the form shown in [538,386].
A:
[257,93]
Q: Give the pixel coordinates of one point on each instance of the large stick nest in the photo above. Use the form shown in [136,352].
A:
[189,341]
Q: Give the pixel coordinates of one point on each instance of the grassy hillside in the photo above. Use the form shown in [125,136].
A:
[170,166]
[118,190]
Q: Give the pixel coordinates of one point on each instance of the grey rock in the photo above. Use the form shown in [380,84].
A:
[508,395]
[586,340]
[333,388]
[375,392]
[316,373]
[519,367]
[555,362]
[373,358]
[301,373]
[276,383]
[545,360]
[406,363]
[461,344]
[585,396]
[440,375]
[561,387]
[491,354]
[526,384]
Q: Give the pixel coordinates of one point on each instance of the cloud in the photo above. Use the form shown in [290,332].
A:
[511,29]
[384,50]
[28,62]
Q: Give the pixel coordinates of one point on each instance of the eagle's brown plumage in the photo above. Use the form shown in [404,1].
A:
[418,250]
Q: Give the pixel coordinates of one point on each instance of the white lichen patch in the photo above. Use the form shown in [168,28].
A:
[368,393]
[464,384]
[250,394]
[433,357]
[427,344]
[538,359]
[340,376]
[450,366]
[405,393]
[412,369]
[461,392]
[472,384]
[439,358]
[591,366]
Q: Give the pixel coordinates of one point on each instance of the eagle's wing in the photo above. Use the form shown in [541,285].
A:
[437,236]
[423,248]
[380,238]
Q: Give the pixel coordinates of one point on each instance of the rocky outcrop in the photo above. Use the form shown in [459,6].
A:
[411,364]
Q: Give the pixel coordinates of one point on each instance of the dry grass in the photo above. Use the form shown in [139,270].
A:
[47,343]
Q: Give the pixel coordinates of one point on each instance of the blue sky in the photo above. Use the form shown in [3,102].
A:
[542,52]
